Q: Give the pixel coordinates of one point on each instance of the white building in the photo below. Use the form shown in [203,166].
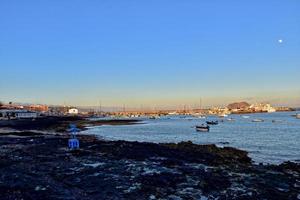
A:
[263,107]
[73,111]
[17,114]
[25,115]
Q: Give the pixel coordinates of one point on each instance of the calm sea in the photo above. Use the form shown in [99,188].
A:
[275,140]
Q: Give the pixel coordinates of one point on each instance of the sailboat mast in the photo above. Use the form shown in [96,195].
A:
[100,107]
[200,104]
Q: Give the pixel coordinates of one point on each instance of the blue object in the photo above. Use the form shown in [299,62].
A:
[73,129]
[73,142]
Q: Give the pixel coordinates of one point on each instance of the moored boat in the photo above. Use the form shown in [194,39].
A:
[231,119]
[257,120]
[201,117]
[223,115]
[276,121]
[154,117]
[202,128]
[212,122]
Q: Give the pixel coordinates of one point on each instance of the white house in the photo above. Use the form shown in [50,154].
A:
[26,115]
[264,107]
[73,111]
[17,114]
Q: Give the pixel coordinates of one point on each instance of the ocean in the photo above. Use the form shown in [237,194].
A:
[273,141]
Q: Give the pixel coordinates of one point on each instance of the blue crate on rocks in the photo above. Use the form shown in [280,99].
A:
[73,142]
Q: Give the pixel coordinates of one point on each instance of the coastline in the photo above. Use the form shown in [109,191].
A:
[61,124]
[40,166]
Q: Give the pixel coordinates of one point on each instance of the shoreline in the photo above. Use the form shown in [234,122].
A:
[37,165]
[61,124]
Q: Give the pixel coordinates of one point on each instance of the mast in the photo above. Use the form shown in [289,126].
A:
[100,107]
[200,103]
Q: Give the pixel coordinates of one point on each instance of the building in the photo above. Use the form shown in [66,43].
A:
[26,115]
[262,107]
[73,111]
[219,111]
[37,108]
[17,114]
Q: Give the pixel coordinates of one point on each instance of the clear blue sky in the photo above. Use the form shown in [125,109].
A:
[149,52]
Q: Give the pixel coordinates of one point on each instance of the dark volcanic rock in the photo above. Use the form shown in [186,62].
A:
[41,167]
[61,123]
[211,154]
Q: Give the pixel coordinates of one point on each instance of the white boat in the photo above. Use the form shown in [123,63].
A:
[154,117]
[230,119]
[276,121]
[246,117]
[201,117]
[202,128]
[223,115]
[257,120]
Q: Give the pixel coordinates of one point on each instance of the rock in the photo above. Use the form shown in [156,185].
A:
[211,154]
[42,167]
[238,105]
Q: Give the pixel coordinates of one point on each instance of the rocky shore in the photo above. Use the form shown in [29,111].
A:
[61,123]
[35,165]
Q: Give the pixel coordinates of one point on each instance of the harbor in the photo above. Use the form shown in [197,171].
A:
[149,100]
[274,140]
[269,137]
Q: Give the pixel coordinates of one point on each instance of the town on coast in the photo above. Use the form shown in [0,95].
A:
[36,163]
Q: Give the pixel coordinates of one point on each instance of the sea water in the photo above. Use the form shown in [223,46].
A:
[275,140]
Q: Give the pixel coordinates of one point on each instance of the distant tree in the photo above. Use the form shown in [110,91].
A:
[1,103]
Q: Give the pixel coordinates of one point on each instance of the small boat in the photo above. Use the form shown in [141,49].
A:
[154,117]
[212,122]
[245,116]
[276,121]
[230,119]
[202,128]
[257,120]
[201,117]
[223,115]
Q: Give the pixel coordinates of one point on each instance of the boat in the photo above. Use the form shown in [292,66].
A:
[245,116]
[257,120]
[298,116]
[202,128]
[276,121]
[212,122]
[201,117]
[230,119]
[223,115]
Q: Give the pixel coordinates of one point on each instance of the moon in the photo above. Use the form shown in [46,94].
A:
[280,41]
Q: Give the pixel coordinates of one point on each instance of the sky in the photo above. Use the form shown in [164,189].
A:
[150,53]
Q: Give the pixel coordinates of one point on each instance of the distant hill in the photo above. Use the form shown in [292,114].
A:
[238,105]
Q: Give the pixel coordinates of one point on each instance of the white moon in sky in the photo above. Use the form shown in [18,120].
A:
[280,41]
